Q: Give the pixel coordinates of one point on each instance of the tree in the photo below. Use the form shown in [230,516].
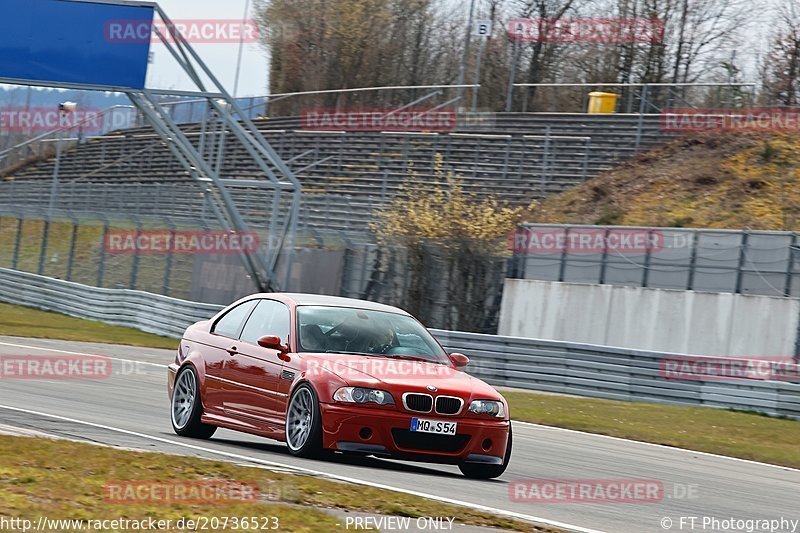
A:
[451,244]
[782,66]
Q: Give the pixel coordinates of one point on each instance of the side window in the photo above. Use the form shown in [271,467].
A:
[231,323]
[269,318]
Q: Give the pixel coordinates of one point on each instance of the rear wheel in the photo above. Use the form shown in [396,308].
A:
[187,407]
[303,423]
[482,471]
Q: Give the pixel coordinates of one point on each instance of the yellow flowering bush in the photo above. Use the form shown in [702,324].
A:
[452,245]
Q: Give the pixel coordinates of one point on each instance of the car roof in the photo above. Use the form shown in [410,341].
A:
[334,301]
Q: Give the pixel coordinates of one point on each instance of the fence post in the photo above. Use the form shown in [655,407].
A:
[43,252]
[787,291]
[692,262]
[513,73]
[101,264]
[168,266]
[563,266]
[545,161]
[71,257]
[604,258]
[136,258]
[742,259]
[648,254]
[17,242]
[642,110]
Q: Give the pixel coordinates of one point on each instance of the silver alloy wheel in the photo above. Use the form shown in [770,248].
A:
[183,399]
[299,419]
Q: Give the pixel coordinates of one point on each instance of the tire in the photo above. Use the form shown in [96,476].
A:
[186,407]
[304,423]
[482,471]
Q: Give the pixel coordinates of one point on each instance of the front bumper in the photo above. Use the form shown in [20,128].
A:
[384,432]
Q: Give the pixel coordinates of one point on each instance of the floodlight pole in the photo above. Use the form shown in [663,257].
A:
[241,49]
[462,69]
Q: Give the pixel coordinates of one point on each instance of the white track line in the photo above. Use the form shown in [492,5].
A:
[355,481]
[516,422]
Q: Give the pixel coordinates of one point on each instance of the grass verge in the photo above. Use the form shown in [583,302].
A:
[69,480]
[743,435]
[21,321]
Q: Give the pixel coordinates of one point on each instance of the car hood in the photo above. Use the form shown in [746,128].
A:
[399,375]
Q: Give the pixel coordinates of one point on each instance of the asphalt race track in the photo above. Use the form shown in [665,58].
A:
[130,408]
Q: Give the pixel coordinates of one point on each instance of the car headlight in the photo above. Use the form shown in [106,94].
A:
[360,395]
[487,407]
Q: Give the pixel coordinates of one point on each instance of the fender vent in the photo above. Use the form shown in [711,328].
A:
[287,375]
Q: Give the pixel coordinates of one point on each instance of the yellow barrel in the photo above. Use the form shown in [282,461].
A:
[602,102]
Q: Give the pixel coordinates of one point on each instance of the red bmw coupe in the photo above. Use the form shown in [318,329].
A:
[327,374]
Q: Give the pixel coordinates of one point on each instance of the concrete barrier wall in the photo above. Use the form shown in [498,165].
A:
[722,324]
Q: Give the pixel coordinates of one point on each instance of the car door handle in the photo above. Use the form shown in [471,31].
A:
[232,350]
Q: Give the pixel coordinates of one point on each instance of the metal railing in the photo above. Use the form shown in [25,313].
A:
[532,364]
[641,98]
[186,111]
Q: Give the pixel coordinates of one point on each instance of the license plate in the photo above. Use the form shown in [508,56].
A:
[439,427]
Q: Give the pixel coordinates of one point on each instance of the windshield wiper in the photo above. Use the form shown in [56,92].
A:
[343,352]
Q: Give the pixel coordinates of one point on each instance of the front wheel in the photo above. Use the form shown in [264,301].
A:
[187,407]
[304,423]
[482,471]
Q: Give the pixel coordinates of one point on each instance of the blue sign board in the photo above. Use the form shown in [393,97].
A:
[67,41]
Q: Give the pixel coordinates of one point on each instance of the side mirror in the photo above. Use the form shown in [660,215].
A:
[459,360]
[273,342]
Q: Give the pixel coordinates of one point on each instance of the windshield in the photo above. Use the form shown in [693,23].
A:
[365,332]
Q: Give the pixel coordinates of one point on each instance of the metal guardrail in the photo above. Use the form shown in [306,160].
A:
[148,312]
[551,366]
[612,373]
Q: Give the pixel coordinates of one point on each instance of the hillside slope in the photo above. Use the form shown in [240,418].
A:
[706,180]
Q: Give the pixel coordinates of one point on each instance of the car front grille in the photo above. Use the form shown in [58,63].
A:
[448,405]
[421,403]
[414,440]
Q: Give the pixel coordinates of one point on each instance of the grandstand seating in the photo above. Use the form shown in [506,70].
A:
[345,176]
